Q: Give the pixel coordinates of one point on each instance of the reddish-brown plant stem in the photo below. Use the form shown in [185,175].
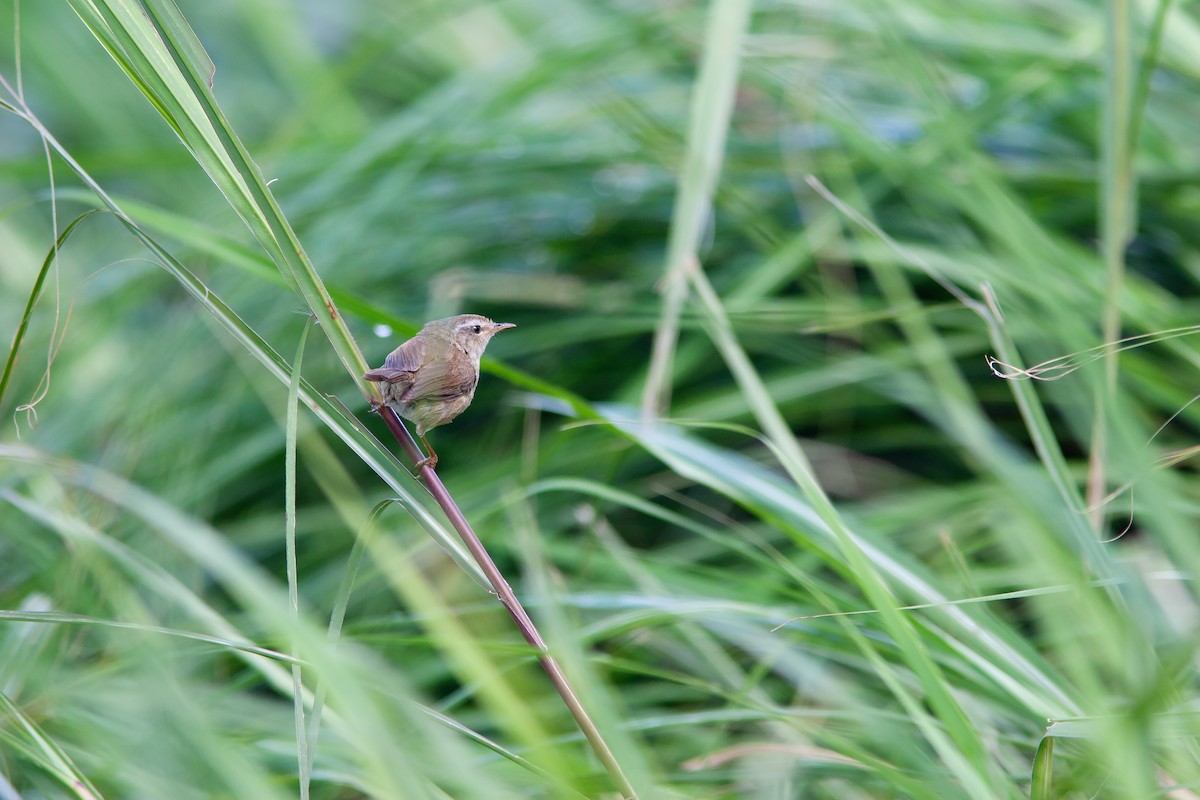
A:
[509,599]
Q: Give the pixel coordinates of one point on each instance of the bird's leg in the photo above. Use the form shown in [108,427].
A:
[429,461]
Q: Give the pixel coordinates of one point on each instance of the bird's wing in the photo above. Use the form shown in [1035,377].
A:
[457,379]
[406,357]
[400,363]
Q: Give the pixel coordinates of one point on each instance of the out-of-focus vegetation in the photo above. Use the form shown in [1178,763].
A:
[845,560]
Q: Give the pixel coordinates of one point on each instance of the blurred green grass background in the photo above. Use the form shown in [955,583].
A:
[722,578]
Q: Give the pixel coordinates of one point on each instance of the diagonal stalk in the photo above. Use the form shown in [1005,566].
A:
[512,605]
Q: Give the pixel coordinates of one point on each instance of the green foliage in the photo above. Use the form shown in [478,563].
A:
[846,560]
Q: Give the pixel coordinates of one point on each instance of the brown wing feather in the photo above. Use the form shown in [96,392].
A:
[400,364]
[457,379]
[406,357]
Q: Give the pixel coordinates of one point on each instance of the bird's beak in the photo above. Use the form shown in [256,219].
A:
[502,325]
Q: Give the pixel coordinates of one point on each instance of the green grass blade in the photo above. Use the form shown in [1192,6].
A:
[711,110]
[304,751]
[165,62]
[63,618]
[51,757]
[1042,787]
[34,293]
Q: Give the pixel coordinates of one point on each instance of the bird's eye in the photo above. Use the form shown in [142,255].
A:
[476,328]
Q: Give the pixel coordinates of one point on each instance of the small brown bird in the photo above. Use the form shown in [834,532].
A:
[431,378]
